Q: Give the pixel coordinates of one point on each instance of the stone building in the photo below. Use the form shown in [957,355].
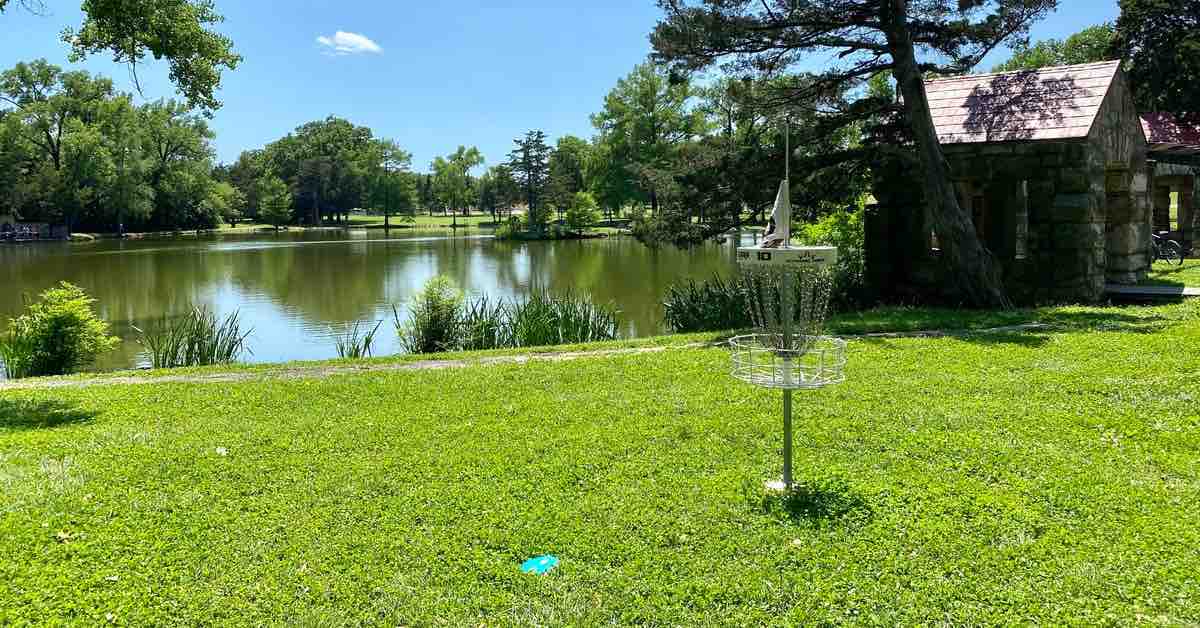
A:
[1052,165]
[1175,153]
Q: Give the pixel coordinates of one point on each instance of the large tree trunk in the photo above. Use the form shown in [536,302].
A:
[974,269]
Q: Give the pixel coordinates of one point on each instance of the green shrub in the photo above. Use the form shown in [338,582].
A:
[57,335]
[725,304]
[843,229]
[511,229]
[666,227]
[433,320]
[197,338]
[583,212]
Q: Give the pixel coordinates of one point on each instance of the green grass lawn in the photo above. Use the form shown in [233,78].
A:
[1046,477]
[1164,274]
[421,221]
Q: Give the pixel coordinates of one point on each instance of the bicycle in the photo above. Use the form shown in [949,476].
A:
[1165,250]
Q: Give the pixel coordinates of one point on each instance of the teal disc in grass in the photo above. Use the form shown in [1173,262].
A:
[539,565]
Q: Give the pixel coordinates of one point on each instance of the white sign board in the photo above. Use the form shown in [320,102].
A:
[798,257]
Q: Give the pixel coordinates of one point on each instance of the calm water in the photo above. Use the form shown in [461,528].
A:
[299,290]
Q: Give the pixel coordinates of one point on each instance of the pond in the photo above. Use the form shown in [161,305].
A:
[300,289]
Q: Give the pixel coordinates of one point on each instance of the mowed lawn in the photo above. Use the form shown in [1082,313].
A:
[1046,477]
[1167,274]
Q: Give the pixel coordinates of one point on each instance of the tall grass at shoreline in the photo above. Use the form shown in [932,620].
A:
[197,338]
[718,303]
[442,319]
[355,344]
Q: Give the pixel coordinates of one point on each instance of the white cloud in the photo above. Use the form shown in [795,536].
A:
[343,43]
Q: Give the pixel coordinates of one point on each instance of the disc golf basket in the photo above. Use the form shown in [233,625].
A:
[787,290]
[788,293]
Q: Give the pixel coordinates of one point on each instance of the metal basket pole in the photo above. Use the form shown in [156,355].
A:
[786,286]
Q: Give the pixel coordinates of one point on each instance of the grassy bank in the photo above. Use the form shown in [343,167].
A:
[1018,477]
[877,321]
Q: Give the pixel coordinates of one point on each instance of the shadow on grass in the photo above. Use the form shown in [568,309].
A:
[1107,320]
[1050,323]
[820,503]
[1169,275]
[16,414]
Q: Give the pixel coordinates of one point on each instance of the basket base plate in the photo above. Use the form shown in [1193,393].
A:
[777,486]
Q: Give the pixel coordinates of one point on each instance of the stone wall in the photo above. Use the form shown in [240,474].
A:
[1117,158]
[1063,199]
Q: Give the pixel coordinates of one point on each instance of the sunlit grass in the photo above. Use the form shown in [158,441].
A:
[1166,274]
[1042,477]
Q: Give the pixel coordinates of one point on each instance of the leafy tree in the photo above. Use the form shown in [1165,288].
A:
[175,30]
[181,199]
[1091,45]
[566,176]
[47,100]
[736,167]
[498,191]
[1161,41]
[172,135]
[226,201]
[583,212]
[856,40]
[425,193]
[129,198]
[645,120]
[452,182]
[529,162]
[244,174]
[329,163]
[394,187]
[608,180]
[88,158]
[275,202]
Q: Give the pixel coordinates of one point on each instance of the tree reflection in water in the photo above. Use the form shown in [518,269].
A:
[299,289]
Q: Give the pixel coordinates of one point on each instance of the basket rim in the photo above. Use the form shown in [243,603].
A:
[754,341]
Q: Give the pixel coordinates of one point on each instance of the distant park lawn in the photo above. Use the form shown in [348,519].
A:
[1165,274]
[1050,476]
[421,221]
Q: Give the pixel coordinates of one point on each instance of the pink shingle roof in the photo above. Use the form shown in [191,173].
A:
[1165,128]
[1047,104]
[1169,136]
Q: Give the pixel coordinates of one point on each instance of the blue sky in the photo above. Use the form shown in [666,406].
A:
[430,75]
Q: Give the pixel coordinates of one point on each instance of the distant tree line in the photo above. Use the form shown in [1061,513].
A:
[327,168]
[74,151]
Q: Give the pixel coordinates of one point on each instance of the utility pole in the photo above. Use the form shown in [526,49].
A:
[387,196]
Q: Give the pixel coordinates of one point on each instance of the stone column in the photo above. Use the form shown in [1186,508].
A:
[1161,216]
[1077,261]
[1128,228]
[1187,211]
